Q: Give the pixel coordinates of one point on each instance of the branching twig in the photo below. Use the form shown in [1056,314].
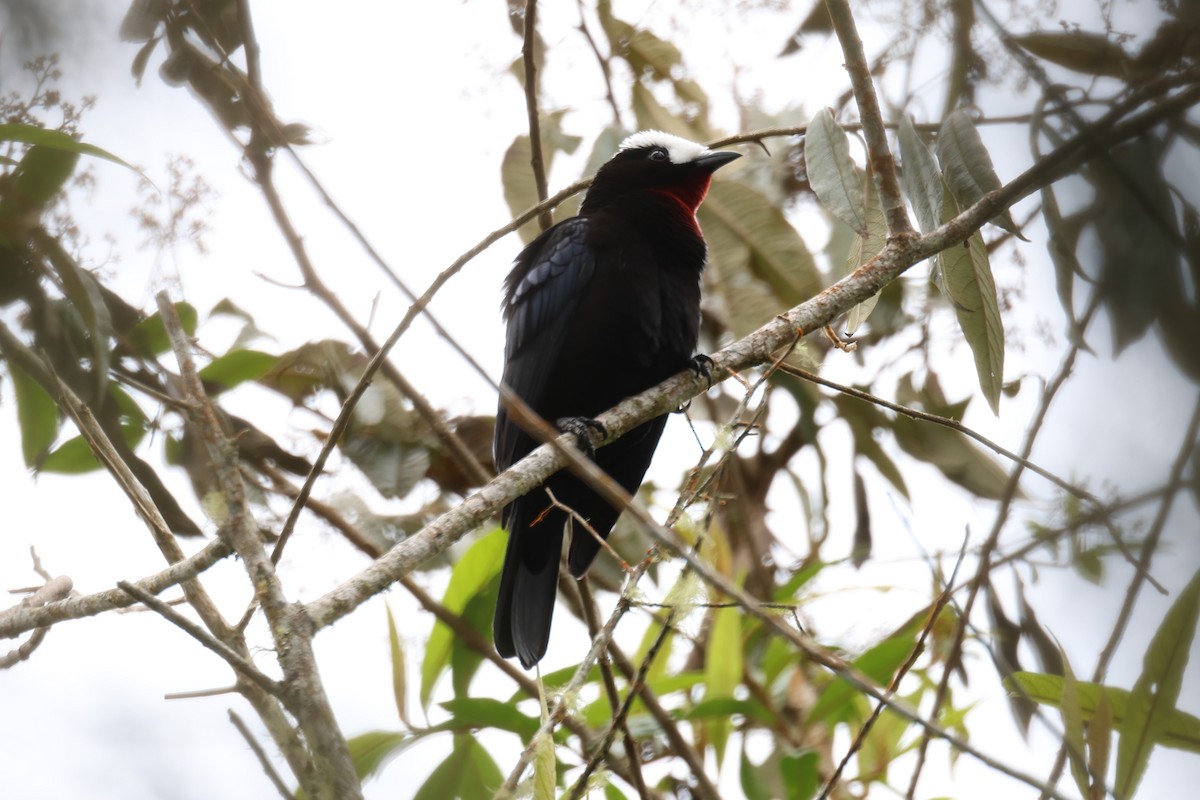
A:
[292,630]
[233,658]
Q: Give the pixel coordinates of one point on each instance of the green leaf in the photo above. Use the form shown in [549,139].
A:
[485,712]
[832,173]
[75,456]
[57,140]
[399,670]
[1099,739]
[967,167]
[468,773]
[800,578]
[471,575]
[1156,692]
[37,415]
[465,660]
[42,173]
[1182,731]
[83,292]
[1072,714]
[920,178]
[882,746]
[723,670]
[967,277]
[238,366]
[149,338]
[879,663]
[545,776]
[725,707]
[801,773]
[370,751]
[750,779]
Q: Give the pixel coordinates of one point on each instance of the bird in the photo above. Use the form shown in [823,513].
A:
[598,308]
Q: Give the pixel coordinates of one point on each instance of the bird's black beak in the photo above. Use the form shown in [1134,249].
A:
[714,161]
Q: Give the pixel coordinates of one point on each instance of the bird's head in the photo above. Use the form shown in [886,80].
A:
[653,161]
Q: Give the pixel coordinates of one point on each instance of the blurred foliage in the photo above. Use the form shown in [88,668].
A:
[1132,244]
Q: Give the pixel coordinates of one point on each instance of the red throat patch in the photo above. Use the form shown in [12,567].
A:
[688,195]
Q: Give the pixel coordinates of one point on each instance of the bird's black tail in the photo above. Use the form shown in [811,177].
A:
[529,582]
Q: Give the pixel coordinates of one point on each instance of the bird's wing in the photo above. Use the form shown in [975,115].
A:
[543,292]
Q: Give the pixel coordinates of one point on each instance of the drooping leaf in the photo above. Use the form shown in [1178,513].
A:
[370,751]
[545,776]
[919,177]
[75,456]
[37,415]
[471,574]
[1063,236]
[1135,221]
[1080,51]
[1099,740]
[832,173]
[1152,703]
[722,670]
[399,669]
[761,263]
[85,296]
[1182,731]
[956,456]
[967,167]
[864,419]
[882,746]
[863,250]
[967,277]
[465,660]
[1072,714]
[516,170]
[57,140]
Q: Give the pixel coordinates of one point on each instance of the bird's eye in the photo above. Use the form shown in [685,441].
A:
[658,154]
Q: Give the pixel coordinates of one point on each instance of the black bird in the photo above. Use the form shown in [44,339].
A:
[599,307]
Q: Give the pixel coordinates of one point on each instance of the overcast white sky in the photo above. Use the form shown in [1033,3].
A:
[415,108]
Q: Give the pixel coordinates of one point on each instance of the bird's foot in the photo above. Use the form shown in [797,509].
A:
[702,365]
[581,428]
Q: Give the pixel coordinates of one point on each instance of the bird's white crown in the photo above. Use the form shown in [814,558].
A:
[679,150]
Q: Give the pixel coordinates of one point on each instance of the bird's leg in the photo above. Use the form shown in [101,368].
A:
[701,365]
[581,428]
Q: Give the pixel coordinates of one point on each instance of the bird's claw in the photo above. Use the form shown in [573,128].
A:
[702,365]
[581,428]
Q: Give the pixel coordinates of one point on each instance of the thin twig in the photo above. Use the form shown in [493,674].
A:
[912,413]
[261,755]
[537,161]
[232,657]
[985,565]
[882,164]
[918,647]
